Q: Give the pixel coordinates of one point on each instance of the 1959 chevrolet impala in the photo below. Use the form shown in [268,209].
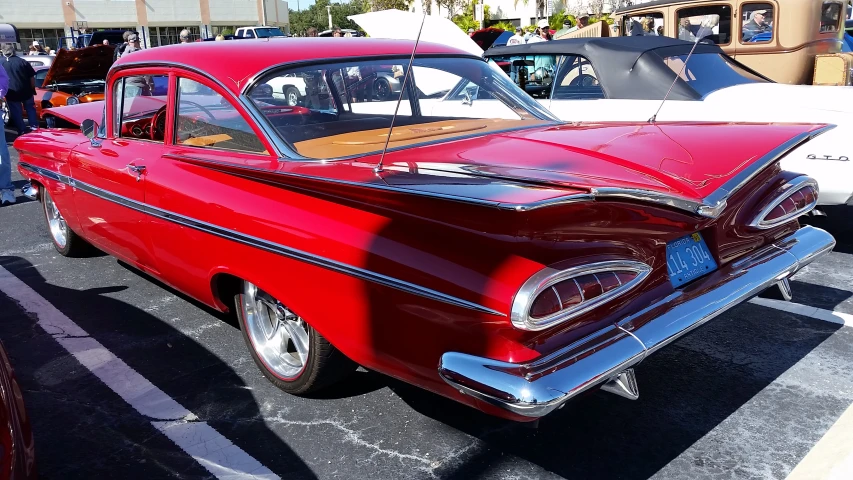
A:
[480,248]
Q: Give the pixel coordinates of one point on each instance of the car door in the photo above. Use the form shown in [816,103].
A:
[110,173]
[210,127]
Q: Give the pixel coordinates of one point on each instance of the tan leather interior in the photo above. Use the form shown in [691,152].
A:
[365,141]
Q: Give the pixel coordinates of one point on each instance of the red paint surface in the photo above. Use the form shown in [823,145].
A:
[478,253]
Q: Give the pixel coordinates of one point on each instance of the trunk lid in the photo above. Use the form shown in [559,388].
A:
[690,160]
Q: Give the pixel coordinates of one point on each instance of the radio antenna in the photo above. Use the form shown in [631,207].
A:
[378,167]
[705,29]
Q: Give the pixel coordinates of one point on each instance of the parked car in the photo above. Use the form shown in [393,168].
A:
[76,76]
[782,45]
[258,32]
[17,449]
[625,79]
[489,253]
[39,60]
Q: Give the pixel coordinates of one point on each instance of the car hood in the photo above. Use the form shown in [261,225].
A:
[783,97]
[90,63]
[689,160]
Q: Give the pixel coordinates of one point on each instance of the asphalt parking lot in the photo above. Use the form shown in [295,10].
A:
[749,395]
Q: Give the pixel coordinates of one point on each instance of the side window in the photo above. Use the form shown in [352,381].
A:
[250,34]
[207,119]
[650,24]
[40,78]
[830,17]
[690,21]
[140,110]
[580,81]
[757,21]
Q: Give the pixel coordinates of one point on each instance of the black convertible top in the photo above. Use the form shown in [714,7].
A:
[627,67]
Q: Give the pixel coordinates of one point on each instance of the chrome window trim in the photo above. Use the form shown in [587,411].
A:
[546,278]
[270,136]
[262,244]
[791,187]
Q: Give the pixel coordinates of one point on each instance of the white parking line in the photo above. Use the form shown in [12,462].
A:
[799,309]
[832,457]
[198,439]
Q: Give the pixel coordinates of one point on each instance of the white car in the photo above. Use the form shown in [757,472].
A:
[615,79]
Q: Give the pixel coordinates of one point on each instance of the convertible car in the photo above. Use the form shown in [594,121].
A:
[625,79]
[76,76]
[479,249]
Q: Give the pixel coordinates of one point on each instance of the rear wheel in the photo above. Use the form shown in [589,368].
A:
[289,352]
[67,243]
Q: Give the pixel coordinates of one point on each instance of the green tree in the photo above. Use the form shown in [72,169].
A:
[377,5]
[466,21]
[316,16]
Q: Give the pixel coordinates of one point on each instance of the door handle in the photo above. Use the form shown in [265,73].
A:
[137,169]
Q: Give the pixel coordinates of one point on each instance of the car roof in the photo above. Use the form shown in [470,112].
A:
[656,3]
[219,60]
[623,65]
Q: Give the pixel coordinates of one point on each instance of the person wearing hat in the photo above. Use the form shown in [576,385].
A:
[757,24]
[518,38]
[542,34]
[583,21]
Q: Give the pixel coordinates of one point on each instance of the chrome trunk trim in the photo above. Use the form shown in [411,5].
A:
[537,388]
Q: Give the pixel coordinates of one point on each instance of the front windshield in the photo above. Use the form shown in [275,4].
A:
[344,109]
[708,72]
[268,32]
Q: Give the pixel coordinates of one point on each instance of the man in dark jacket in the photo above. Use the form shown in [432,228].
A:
[22,88]
[120,47]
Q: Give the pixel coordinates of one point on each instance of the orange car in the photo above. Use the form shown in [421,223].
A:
[75,76]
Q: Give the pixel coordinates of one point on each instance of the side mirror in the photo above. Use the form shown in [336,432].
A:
[89,128]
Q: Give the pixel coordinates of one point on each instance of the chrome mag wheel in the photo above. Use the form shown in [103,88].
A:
[279,337]
[56,224]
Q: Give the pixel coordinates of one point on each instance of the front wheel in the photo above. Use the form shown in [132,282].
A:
[67,243]
[289,352]
[291,96]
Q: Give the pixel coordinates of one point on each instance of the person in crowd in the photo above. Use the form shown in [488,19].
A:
[348,35]
[132,44]
[757,24]
[219,38]
[648,24]
[684,30]
[22,88]
[583,21]
[7,190]
[470,32]
[106,42]
[542,34]
[660,31]
[311,32]
[122,46]
[518,38]
[336,32]
[184,36]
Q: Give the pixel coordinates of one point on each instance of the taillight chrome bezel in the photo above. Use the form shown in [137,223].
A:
[781,194]
[546,278]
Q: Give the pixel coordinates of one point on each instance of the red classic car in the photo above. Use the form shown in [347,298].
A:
[17,449]
[480,248]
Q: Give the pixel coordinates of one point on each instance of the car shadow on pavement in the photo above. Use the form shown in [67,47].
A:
[686,390]
[84,430]
[838,222]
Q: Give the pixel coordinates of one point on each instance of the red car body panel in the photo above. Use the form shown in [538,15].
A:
[312,233]
[17,448]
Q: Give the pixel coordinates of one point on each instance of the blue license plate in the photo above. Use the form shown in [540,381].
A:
[688,258]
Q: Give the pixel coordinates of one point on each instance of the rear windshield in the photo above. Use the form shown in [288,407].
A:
[344,109]
[708,72]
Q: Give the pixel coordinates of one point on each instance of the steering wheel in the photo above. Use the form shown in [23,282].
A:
[584,80]
[200,107]
[158,125]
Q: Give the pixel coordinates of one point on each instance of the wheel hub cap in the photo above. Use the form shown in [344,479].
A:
[280,337]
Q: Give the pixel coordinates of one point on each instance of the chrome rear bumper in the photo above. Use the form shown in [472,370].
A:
[537,388]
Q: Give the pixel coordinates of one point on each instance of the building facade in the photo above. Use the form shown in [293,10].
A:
[158,21]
